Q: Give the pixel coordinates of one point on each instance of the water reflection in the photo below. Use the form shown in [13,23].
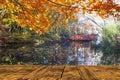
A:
[74,53]
[84,55]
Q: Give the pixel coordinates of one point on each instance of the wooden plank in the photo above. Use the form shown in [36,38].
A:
[34,75]
[2,76]
[14,72]
[106,72]
[17,69]
[8,71]
[86,74]
[13,77]
[53,73]
[31,72]
[70,73]
[82,72]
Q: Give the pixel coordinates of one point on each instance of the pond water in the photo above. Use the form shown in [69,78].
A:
[66,53]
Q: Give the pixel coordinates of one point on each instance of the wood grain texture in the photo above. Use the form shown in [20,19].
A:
[42,72]
[70,73]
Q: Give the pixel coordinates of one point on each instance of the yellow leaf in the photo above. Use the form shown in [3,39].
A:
[31,29]
[91,1]
[66,21]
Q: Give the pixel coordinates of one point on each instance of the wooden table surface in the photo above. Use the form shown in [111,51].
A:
[65,72]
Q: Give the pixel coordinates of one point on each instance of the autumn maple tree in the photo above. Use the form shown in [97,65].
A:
[40,15]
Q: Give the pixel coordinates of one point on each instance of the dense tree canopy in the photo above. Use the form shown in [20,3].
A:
[40,15]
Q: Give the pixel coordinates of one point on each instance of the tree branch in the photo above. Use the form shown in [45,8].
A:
[59,4]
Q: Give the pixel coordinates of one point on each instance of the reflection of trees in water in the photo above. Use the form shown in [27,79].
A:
[13,56]
[4,56]
[34,55]
[84,56]
[111,55]
[56,55]
[111,59]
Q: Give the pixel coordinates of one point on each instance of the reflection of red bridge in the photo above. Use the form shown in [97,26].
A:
[87,37]
[78,44]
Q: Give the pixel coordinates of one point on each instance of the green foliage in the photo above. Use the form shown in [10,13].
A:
[56,36]
[110,31]
[6,20]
